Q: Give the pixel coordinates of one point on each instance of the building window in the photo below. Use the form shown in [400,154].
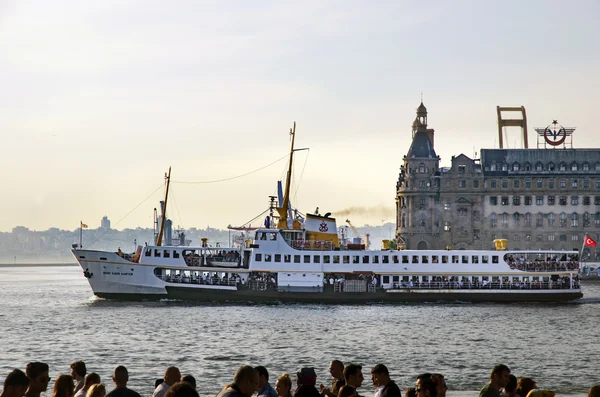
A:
[516,183]
[597,219]
[563,184]
[562,167]
[516,167]
[528,184]
[563,220]
[528,237]
[517,219]
[446,206]
[493,167]
[551,237]
[421,203]
[447,227]
[574,219]
[527,167]
[493,184]
[585,167]
[476,234]
[574,183]
[528,200]
[539,200]
[574,200]
[551,219]
[586,183]
[528,220]
[575,237]
[422,168]
[550,183]
[462,169]
[493,200]
[562,237]
[539,221]
[475,184]
[504,200]
[551,167]
[539,167]
[586,200]
[476,215]
[540,183]
[562,200]
[504,167]
[574,167]
[515,237]
[462,212]
[493,220]
[504,184]
[586,219]
[539,237]
[462,183]
[597,184]
[505,220]
[550,200]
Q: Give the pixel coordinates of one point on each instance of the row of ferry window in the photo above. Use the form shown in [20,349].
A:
[375,258]
[161,252]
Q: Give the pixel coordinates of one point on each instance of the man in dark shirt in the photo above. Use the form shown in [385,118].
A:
[38,378]
[121,377]
[498,379]
[381,378]
[245,383]
[336,369]
[354,378]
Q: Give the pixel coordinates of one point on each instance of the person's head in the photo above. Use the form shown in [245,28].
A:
[38,377]
[283,386]
[307,377]
[263,376]
[440,384]
[15,384]
[120,376]
[524,386]
[172,376]
[64,387]
[181,389]
[410,392]
[422,377]
[246,379]
[426,388]
[97,390]
[189,379]
[594,391]
[511,387]
[499,376]
[541,393]
[353,375]
[91,379]
[380,375]
[158,382]
[336,369]
[78,370]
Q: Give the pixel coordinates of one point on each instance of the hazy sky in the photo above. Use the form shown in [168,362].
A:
[98,99]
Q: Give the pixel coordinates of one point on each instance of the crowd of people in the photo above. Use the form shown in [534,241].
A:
[251,381]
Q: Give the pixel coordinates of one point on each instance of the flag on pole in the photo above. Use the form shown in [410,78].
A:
[83,225]
[589,242]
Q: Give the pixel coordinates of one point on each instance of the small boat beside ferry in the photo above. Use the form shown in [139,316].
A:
[298,258]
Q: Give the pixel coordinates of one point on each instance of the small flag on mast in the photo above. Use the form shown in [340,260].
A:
[83,225]
[589,242]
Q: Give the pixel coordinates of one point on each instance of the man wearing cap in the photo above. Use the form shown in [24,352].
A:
[307,379]
[381,379]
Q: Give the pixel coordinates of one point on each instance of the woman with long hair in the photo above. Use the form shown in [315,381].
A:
[97,390]
[63,386]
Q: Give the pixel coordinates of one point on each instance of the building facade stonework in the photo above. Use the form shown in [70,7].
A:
[534,198]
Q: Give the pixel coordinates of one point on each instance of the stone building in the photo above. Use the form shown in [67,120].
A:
[534,198]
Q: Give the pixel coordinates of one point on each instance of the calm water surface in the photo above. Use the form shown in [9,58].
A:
[49,314]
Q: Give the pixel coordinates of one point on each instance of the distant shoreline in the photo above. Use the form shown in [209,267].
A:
[38,264]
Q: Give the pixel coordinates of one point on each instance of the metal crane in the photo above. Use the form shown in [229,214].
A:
[366,241]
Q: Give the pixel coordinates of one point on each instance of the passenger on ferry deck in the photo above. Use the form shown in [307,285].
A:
[510,390]
[63,386]
[120,378]
[283,386]
[97,390]
[524,386]
[425,387]
[38,379]
[15,384]
[189,379]
[172,376]
[307,379]
[336,369]
[498,380]
[381,379]
[245,383]
[90,379]
[182,389]
[264,388]
[594,391]
[78,372]
[354,377]
[410,392]
[440,384]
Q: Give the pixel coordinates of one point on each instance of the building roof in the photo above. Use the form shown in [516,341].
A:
[536,156]
[421,146]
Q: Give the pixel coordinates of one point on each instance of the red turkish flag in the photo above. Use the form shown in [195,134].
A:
[589,242]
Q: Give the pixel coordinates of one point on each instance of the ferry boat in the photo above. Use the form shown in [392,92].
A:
[301,259]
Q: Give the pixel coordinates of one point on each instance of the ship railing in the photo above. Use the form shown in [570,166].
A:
[438,285]
[543,266]
[232,282]
[311,245]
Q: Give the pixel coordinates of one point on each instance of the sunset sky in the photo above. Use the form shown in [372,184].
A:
[98,99]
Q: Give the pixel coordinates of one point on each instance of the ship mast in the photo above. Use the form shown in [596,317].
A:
[283,209]
[164,212]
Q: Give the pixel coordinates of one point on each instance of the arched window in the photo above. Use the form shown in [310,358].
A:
[493,167]
[528,219]
[563,220]
[586,219]
[585,167]
[550,167]
[562,167]
[539,167]
[551,219]
[574,219]
[422,168]
[517,219]
[597,166]
[505,219]
[515,167]
[504,167]
[527,166]
[574,167]
[493,220]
